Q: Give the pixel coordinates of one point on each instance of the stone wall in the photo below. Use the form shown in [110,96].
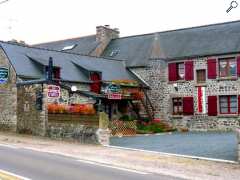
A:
[29,119]
[238,145]
[8,97]
[162,92]
[81,128]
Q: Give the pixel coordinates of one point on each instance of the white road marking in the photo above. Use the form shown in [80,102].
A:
[172,154]
[113,167]
[9,146]
[14,175]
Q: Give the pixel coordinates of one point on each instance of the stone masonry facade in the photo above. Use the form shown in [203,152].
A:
[8,97]
[162,91]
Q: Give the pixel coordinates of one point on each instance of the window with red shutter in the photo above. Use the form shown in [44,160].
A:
[96,85]
[227,67]
[212,105]
[212,68]
[228,104]
[238,65]
[188,107]
[172,72]
[239,104]
[189,70]
[177,106]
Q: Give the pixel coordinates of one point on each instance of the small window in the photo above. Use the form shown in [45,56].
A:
[114,53]
[177,106]
[180,71]
[70,47]
[228,104]
[201,76]
[227,67]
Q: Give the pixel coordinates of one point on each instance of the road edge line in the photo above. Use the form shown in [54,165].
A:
[176,155]
[14,175]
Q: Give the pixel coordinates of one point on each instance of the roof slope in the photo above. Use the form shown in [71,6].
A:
[190,42]
[83,45]
[29,62]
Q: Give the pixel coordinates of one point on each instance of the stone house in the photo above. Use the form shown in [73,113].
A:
[23,73]
[193,72]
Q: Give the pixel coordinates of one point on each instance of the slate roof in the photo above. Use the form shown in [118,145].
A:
[84,45]
[206,40]
[29,62]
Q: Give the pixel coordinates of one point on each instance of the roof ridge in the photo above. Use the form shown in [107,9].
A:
[33,47]
[180,29]
[63,40]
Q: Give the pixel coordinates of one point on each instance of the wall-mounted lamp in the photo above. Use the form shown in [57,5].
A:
[175,86]
[73,88]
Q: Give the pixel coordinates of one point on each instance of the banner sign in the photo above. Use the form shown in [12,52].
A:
[202,100]
[115,96]
[3,75]
[53,91]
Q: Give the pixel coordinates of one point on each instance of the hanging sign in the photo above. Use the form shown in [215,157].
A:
[53,91]
[113,88]
[115,96]
[3,75]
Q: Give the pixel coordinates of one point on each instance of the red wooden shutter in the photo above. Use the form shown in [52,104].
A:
[212,68]
[239,104]
[172,71]
[238,65]
[96,85]
[212,105]
[188,108]
[189,70]
[57,73]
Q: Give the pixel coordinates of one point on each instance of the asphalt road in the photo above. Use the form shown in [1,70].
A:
[46,166]
[203,144]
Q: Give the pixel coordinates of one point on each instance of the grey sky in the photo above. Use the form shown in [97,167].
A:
[37,21]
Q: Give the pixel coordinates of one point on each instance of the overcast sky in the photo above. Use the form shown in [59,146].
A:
[36,21]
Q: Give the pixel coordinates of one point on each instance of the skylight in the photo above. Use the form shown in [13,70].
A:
[114,53]
[70,47]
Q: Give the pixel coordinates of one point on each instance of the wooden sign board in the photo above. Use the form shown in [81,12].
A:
[54,91]
[4,74]
[115,96]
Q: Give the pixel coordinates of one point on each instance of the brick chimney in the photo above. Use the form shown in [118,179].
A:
[104,34]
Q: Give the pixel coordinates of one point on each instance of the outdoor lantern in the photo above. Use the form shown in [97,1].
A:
[73,88]
[175,86]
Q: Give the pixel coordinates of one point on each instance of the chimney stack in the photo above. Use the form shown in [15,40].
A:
[105,33]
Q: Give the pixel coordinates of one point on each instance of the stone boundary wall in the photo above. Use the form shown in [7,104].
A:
[8,97]
[90,129]
[29,119]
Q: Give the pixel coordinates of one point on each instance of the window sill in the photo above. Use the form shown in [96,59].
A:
[177,81]
[227,115]
[176,116]
[226,78]
[200,84]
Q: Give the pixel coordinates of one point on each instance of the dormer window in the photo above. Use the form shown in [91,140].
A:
[70,47]
[114,53]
